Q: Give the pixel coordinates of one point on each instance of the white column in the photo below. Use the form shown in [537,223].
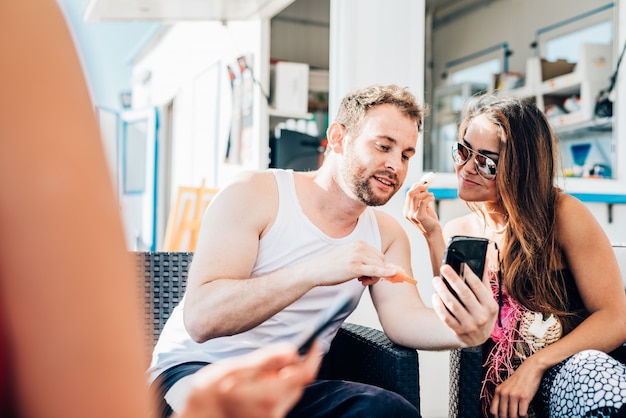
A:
[377,42]
[383,42]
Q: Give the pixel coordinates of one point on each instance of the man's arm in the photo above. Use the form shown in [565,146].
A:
[406,319]
[222,299]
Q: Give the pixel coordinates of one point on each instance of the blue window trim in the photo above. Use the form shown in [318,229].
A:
[451,193]
[609,199]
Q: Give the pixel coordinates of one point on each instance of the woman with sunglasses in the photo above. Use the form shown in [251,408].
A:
[562,300]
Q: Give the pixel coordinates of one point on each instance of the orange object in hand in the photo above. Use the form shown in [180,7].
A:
[400,277]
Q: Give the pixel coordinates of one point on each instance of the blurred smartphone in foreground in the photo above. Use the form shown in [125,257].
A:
[464,250]
[324,321]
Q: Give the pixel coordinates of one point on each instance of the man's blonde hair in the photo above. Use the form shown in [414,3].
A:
[355,105]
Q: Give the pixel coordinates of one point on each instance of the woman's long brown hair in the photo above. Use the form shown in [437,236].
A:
[531,257]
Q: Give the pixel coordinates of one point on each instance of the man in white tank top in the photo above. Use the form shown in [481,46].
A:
[277,246]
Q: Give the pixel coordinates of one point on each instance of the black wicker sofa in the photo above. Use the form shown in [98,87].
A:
[358,353]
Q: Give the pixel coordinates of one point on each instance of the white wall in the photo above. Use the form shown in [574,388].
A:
[187,65]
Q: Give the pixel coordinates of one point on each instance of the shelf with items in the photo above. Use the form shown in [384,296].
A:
[298,98]
[587,142]
[284,114]
[567,92]
[298,115]
[581,78]
[312,123]
[315,101]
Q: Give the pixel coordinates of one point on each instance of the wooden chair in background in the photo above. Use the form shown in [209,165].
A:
[185,218]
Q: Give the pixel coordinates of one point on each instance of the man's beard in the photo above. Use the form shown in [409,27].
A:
[364,193]
[352,175]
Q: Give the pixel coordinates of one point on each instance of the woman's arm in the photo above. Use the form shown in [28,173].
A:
[589,256]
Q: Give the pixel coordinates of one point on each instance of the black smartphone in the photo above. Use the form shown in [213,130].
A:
[325,320]
[469,250]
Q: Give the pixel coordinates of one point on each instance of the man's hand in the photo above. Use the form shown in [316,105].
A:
[473,312]
[354,260]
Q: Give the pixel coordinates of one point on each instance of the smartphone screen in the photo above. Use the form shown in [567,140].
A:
[325,320]
[469,250]
[464,250]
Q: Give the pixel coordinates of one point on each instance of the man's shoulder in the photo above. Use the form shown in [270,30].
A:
[250,195]
[249,187]
[392,233]
[386,222]
[251,180]
[247,176]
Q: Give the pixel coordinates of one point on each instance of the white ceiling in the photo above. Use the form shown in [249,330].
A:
[175,10]
[224,10]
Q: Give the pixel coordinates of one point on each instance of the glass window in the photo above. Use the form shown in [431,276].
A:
[567,47]
[586,147]
[479,73]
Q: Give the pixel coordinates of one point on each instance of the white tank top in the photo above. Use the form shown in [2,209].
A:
[292,238]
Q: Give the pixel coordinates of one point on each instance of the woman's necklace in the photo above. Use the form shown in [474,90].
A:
[496,231]
[487,220]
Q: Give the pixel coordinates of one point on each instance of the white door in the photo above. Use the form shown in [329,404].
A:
[137,180]
[130,141]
